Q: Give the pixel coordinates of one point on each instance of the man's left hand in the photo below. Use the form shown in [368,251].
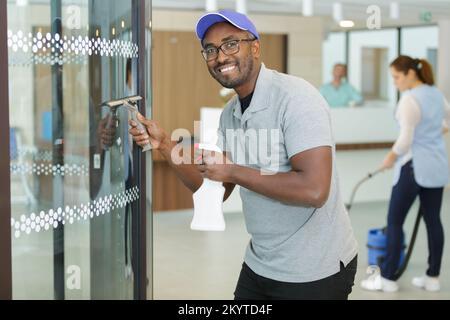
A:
[216,166]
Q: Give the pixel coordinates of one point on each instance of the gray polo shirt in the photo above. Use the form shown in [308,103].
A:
[288,243]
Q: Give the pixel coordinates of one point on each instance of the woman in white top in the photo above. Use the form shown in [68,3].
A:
[421,169]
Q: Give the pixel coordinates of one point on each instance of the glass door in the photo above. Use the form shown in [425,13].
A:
[76,192]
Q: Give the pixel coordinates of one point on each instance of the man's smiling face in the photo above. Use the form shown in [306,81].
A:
[234,70]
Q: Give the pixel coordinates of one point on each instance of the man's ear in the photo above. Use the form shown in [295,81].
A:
[256,49]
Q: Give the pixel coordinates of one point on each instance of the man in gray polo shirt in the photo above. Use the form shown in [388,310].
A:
[278,147]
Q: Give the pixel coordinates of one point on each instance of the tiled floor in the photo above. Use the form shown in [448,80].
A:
[199,265]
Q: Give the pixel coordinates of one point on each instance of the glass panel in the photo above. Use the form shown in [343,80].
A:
[71,157]
[370,54]
[421,42]
[333,52]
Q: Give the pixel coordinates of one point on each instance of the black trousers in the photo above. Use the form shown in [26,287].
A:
[251,286]
[403,195]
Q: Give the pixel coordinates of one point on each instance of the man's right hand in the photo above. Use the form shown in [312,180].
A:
[153,134]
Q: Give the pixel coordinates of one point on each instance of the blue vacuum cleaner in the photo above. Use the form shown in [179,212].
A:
[376,238]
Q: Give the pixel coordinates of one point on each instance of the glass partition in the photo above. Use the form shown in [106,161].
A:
[333,52]
[421,42]
[74,187]
[370,54]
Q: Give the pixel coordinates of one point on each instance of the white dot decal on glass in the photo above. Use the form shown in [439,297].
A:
[54,217]
[56,49]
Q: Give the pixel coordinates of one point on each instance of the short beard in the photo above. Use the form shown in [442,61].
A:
[246,67]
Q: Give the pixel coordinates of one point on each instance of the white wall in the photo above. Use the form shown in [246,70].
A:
[443,73]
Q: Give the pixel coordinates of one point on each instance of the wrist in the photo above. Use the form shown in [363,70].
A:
[233,175]
[166,147]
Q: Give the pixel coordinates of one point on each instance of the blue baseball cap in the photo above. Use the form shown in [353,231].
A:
[237,19]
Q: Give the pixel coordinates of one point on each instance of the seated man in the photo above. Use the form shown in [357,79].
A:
[339,93]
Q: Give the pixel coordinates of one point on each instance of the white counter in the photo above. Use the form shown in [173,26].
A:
[372,123]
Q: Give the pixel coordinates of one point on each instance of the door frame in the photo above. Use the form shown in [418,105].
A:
[5,194]
[139,223]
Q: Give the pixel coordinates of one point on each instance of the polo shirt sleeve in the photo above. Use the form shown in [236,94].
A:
[306,124]
[221,135]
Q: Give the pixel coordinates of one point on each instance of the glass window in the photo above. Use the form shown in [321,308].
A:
[421,42]
[333,51]
[370,54]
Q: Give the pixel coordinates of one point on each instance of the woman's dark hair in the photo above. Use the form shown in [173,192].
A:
[422,68]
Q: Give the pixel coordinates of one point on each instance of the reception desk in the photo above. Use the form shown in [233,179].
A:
[370,124]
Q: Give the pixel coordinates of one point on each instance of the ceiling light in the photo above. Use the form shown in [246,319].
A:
[21,3]
[308,8]
[211,5]
[346,24]
[395,10]
[241,6]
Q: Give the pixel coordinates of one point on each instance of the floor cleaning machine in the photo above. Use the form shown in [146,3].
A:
[376,238]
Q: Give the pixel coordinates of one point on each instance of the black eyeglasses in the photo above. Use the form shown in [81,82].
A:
[229,47]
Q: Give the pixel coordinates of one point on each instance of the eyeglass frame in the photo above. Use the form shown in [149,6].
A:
[220,47]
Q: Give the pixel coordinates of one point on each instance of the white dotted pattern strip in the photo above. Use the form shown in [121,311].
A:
[56,49]
[49,169]
[45,221]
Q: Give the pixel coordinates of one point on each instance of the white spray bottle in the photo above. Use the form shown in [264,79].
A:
[208,200]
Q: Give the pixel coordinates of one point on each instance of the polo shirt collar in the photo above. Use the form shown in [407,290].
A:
[261,95]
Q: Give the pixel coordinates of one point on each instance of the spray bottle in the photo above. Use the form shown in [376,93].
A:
[208,200]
